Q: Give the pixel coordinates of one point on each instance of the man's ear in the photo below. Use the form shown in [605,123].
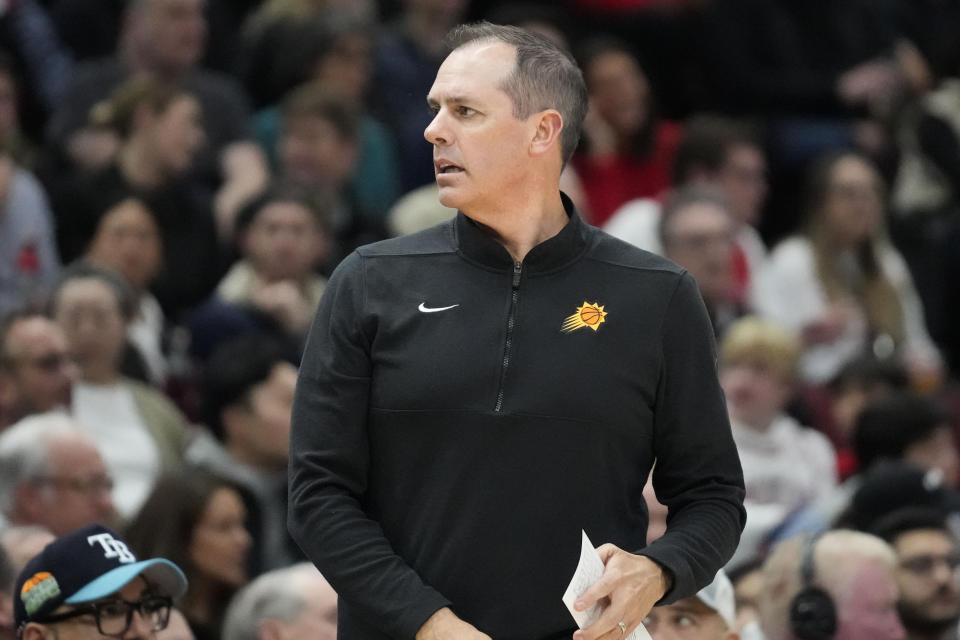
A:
[36,631]
[547,133]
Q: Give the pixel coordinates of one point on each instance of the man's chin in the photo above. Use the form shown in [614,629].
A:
[922,624]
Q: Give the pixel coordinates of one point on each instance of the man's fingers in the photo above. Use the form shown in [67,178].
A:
[600,589]
[606,627]
[606,551]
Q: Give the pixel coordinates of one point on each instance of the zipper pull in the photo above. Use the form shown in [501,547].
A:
[517,269]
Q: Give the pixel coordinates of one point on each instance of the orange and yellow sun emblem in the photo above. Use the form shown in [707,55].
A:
[586,315]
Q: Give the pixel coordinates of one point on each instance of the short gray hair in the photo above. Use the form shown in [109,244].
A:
[24,448]
[275,595]
[545,76]
[685,197]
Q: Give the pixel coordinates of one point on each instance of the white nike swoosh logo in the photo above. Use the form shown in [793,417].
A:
[425,309]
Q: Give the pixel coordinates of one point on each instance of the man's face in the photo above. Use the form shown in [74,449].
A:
[128,241]
[869,611]
[263,431]
[743,179]
[174,32]
[41,372]
[755,392]
[619,91]
[85,627]
[315,154]
[699,237]
[75,491]
[480,148]
[929,593]
[88,311]
[687,619]
[284,242]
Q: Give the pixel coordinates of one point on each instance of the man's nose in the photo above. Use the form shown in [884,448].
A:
[436,133]
[140,628]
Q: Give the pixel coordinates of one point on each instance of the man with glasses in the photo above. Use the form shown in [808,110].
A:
[52,475]
[88,584]
[927,563]
[36,371]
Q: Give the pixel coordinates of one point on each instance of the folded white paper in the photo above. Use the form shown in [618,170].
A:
[589,570]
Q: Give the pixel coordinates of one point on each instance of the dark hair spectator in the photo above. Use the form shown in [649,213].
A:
[196,520]
[905,426]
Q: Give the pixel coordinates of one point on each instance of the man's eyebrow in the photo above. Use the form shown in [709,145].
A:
[454,99]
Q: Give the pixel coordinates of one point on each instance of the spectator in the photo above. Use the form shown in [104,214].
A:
[29,259]
[716,153]
[165,39]
[293,602]
[90,573]
[892,486]
[786,467]
[837,407]
[159,130]
[197,520]
[696,230]
[139,431]
[274,287]
[318,151]
[36,370]
[128,241]
[928,557]
[23,542]
[248,392]
[840,285]
[627,149]
[52,475]
[747,582]
[708,615]
[905,427]
[338,58]
[842,584]
[408,57]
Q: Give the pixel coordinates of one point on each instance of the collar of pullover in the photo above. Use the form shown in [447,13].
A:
[553,253]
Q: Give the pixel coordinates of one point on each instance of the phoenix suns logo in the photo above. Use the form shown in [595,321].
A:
[587,315]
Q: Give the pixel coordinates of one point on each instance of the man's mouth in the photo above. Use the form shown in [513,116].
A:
[445,166]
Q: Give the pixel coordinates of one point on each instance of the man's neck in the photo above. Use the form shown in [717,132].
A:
[520,229]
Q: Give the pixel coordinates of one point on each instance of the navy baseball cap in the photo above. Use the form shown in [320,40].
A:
[84,565]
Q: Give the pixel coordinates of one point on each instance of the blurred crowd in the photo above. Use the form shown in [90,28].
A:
[179,177]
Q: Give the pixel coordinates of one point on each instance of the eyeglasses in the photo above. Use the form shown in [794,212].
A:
[88,486]
[113,617]
[926,563]
[51,362]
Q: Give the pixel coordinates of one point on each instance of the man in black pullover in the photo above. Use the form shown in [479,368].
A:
[474,395]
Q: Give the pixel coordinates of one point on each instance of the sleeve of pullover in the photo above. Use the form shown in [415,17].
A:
[697,473]
[329,460]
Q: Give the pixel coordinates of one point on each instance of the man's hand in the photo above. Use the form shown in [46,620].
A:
[445,625]
[631,584]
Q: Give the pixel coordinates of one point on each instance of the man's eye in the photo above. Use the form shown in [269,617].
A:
[113,609]
[151,605]
[465,111]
